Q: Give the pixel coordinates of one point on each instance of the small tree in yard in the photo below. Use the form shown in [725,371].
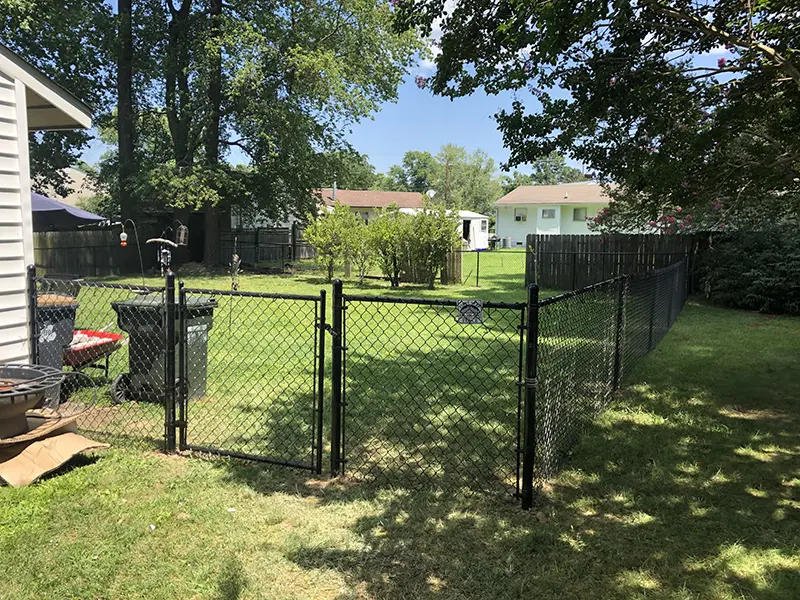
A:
[388,236]
[332,236]
[362,250]
[433,234]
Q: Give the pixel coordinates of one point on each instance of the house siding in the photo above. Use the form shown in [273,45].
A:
[14,254]
[518,231]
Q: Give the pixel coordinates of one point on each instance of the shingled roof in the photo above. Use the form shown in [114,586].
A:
[566,193]
[372,198]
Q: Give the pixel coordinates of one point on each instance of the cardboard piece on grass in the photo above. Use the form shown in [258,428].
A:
[23,463]
[39,427]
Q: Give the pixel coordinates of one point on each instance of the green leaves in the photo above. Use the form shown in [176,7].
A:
[621,88]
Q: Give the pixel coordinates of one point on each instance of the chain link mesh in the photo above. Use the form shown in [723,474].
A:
[429,400]
[105,331]
[495,269]
[251,365]
[588,341]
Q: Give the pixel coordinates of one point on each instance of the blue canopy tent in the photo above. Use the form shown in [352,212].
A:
[52,215]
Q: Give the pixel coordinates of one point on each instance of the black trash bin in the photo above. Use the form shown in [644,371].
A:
[55,321]
[144,318]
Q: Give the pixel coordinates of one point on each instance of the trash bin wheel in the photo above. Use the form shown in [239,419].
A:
[120,388]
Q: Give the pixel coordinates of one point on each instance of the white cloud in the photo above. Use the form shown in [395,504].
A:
[717,50]
[427,63]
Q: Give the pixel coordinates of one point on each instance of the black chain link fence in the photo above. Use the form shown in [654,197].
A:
[458,394]
[114,334]
[588,341]
[493,269]
[431,392]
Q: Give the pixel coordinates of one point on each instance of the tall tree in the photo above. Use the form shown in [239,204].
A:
[125,114]
[420,170]
[684,105]
[212,126]
[73,44]
[274,88]
[553,170]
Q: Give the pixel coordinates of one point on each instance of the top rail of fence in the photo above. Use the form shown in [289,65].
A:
[128,287]
[430,301]
[271,295]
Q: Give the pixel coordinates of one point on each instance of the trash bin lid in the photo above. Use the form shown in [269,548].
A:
[156,302]
[55,300]
[141,302]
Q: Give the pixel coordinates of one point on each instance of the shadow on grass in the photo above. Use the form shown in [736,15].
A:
[685,488]
[232,581]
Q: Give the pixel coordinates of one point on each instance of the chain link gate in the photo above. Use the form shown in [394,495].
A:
[251,375]
[428,392]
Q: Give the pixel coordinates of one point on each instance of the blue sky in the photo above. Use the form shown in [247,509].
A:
[418,121]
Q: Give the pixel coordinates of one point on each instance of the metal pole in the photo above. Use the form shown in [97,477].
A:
[623,284]
[336,376]
[169,362]
[321,374]
[654,294]
[183,384]
[33,333]
[529,413]
[478,271]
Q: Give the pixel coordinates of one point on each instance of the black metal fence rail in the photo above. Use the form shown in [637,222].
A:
[500,269]
[86,326]
[252,373]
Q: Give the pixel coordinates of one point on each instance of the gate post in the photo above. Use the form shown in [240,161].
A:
[321,383]
[183,384]
[336,376]
[33,334]
[529,414]
[169,362]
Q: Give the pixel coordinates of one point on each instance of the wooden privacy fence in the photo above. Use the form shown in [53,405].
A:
[264,247]
[91,253]
[570,262]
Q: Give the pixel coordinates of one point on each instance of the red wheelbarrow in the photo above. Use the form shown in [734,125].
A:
[89,348]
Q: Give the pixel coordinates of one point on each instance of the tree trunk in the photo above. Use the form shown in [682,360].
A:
[126,127]
[212,129]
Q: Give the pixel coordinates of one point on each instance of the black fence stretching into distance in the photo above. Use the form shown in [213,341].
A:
[463,395]
[571,262]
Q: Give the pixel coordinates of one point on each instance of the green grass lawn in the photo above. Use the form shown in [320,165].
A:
[259,398]
[686,488]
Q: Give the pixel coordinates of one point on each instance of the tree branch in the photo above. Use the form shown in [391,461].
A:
[710,30]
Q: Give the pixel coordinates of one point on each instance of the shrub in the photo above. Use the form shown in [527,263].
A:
[755,270]
[331,235]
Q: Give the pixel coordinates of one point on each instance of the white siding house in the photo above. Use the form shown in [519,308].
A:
[28,102]
[548,209]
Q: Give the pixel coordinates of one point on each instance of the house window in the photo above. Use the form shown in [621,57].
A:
[364,217]
[484,225]
[520,214]
[548,213]
[578,214]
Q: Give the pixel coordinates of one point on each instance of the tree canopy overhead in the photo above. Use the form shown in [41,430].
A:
[619,86]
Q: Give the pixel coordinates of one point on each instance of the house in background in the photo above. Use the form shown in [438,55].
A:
[29,101]
[367,204]
[548,209]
